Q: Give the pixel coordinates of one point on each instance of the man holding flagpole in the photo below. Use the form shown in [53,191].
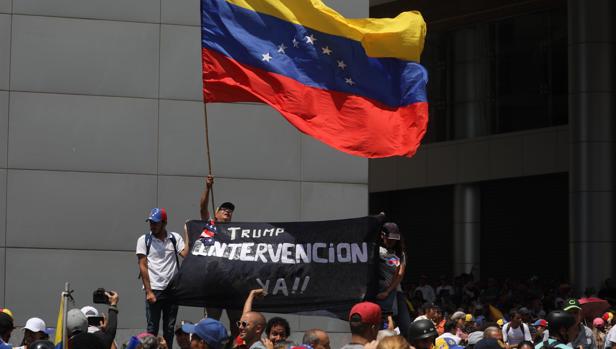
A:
[223,214]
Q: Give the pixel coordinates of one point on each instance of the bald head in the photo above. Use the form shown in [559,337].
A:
[255,317]
[318,339]
[492,332]
[251,326]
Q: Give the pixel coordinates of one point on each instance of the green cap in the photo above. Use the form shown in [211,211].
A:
[572,303]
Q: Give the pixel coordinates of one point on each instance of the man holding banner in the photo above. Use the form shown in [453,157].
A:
[223,214]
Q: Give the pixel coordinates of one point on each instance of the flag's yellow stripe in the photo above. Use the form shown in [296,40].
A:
[59,327]
[401,37]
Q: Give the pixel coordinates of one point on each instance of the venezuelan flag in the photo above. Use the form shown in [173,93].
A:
[59,337]
[354,84]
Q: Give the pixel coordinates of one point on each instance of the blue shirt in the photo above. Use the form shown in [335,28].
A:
[5,345]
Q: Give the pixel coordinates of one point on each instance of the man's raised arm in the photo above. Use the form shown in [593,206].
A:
[205,197]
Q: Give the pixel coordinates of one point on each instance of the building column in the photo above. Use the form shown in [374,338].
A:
[592,124]
[469,52]
[467,230]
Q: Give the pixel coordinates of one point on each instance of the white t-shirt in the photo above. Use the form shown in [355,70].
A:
[610,339]
[513,336]
[161,260]
[452,336]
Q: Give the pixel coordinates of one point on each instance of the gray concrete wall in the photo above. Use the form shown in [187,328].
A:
[101,119]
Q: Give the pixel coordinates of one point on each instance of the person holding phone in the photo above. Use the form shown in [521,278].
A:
[101,326]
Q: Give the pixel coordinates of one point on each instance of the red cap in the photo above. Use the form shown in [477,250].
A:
[366,313]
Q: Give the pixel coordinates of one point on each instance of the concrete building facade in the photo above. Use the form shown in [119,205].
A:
[101,119]
[521,156]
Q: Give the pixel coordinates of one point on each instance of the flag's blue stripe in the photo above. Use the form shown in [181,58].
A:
[245,36]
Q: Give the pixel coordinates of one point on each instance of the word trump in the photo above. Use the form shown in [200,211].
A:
[285,253]
[237,232]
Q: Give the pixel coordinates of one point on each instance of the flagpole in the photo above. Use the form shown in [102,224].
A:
[65,296]
[207,148]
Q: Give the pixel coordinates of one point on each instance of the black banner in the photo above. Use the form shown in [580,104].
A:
[304,267]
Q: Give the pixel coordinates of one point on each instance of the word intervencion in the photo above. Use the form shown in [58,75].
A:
[285,253]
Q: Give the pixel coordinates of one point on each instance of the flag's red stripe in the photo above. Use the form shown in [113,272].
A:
[350,123]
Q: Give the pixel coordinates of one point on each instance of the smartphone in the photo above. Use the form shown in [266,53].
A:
[95,320]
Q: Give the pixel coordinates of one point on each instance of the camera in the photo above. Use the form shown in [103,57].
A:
[99,296]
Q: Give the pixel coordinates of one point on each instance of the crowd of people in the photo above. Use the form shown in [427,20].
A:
[458,313]
[369,325]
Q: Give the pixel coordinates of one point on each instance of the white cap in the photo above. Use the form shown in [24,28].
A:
[36,325]
[89,311]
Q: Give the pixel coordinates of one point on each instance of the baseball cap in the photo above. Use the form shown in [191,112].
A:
[36,325]
[76,322]
[178,327]
[366,313]
[227,205]
[500,322]
[157,215]
[571,304]
[89,311]
[474,337]
[540,323]
[210,330]
[6,311]
[446,343]
[6,321]
[607,317]
[458,315]
[391,230]
[598,322]
[468,318]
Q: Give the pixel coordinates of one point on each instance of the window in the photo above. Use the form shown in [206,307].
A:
[497,76]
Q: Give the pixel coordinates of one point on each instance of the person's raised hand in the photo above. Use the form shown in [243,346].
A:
[209,181]
[113,297]
[258,293]
[103,324]
[268,343]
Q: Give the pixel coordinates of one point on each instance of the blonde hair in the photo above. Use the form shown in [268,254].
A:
[393,342]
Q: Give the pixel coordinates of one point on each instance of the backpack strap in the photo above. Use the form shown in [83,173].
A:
[148,243]
[175,250]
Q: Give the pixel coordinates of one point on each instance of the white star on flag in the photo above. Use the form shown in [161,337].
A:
[310,39]
[341,65]
[266,57]
[281,49]
[295,43]
[349,81]
[326,50]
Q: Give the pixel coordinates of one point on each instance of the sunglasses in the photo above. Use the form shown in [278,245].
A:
[242,324]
